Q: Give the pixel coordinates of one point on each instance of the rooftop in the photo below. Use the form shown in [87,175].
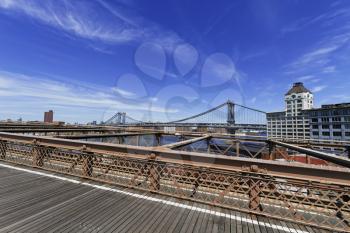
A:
[298,88]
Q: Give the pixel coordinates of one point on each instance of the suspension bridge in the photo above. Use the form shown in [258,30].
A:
[227,115]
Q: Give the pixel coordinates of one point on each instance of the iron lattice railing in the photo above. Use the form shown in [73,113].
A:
[249,190]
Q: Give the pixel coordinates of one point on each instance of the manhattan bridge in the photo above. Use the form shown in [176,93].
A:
[226,115]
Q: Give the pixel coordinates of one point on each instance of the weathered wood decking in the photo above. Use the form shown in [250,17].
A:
[32,201]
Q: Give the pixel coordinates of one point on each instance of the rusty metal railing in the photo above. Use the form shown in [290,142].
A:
[250,189]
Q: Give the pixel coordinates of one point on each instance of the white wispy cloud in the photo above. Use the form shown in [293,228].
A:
[325,19]
[318,88]
[329,69]
[305,78]
[123,92]
[28,95]
[84,19]
[332,42]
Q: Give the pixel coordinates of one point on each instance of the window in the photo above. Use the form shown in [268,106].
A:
[336,112]
[337,126]
[337,134]
[325,134]
[313,114]
[325,126]
[336,119]
[347,119]
[315,133]
[314,120]
[315,126]
[347,134]
[325,119]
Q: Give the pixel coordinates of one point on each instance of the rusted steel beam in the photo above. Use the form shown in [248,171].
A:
[84,136]
[277,168]
[186,142]
[3,149]
[321,155]
[57,130]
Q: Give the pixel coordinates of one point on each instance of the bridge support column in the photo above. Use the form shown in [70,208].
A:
[158,138]
[121,140]
[254,190]
[348,151]
[88,162]
[38,153]
[272,151]
[208,145]
[3,149]
[154,176]
[237,148]
[137,140]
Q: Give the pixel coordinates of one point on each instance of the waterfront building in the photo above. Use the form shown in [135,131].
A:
[330,122]
[292,123]
[301,121]
[298,98]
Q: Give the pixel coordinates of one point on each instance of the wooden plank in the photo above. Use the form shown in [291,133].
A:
[178,217]
[147,210]
[197,225]
[250,225]
[239,226]
[192,217]
[83,220]
[220,220]
[274,222]
[159,223]
[227,223]
[244,223]
[256,226]
[167,220]
[124,213]
[183,219]
[45,217]
[153,216]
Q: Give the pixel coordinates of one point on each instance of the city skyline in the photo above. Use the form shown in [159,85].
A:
[130,56]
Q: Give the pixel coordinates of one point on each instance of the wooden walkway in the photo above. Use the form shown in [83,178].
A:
[37,201]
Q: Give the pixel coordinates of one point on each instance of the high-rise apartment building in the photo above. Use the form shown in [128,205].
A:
[48,117]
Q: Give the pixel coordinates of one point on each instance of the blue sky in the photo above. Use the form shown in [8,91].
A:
[166,59]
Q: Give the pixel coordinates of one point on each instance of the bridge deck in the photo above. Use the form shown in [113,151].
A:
[35,201]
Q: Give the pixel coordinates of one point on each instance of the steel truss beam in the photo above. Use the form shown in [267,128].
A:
[186,142]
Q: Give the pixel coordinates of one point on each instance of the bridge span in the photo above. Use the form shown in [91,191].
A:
[265,190]
[229,115]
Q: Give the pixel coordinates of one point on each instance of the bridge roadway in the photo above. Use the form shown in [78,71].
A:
[37,201]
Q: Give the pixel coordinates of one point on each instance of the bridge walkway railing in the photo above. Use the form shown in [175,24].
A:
[247,185]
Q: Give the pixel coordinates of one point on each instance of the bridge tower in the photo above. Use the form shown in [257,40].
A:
[119,115]
[123,118]
[230,113]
